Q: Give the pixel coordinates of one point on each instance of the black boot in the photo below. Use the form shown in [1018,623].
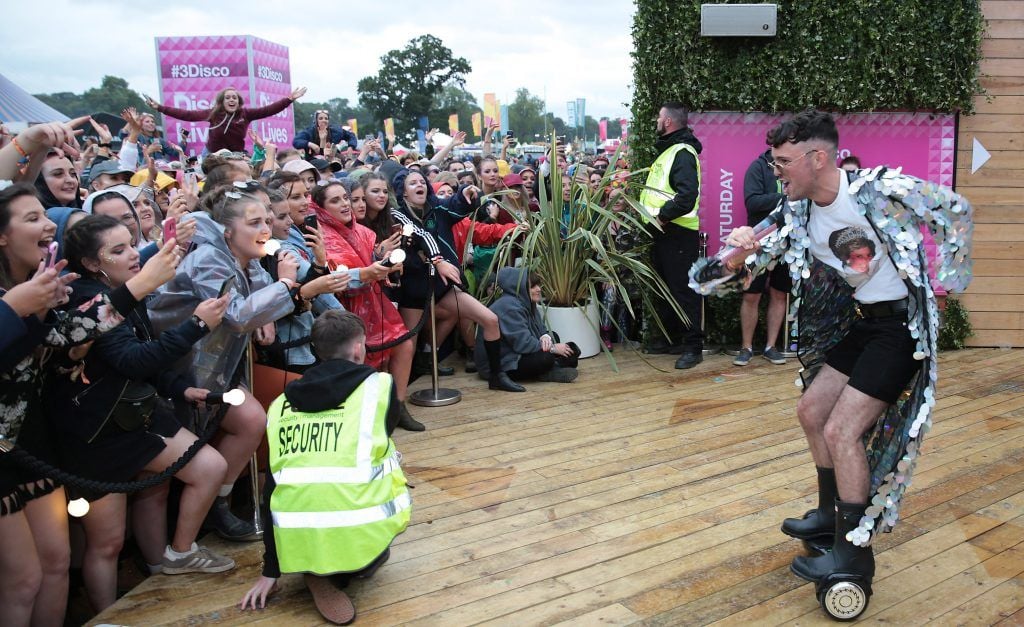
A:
[845,558]
[228,526]
[499,380]
[406,421]
[817,524]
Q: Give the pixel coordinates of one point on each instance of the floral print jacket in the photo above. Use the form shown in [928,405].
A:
[41,345]
[898,207]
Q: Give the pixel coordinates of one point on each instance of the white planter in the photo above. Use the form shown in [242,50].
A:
[576,324]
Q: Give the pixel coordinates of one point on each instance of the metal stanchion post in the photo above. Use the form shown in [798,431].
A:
[709,349]
[786,348]
[254,478]
[435,396]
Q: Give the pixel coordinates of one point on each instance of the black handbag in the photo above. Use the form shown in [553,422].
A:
[136,405]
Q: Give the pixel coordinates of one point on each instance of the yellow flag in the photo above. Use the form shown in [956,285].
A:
[490,109]
[453,123]
[389,127]
[354,125]
[477,131]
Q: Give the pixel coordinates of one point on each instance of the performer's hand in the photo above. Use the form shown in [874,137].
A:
[742,237]
[264,587]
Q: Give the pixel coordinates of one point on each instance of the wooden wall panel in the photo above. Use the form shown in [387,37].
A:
[995,298]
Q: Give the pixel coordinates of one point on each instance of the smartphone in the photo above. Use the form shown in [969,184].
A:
[510,134]
[226,285]
[191,181]
[170,226]
[310,222]
[51,254]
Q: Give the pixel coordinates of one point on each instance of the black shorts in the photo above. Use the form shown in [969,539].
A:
[878,356]
[777,278]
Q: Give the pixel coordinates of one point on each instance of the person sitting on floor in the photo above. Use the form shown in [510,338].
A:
[335,492]
[528,350]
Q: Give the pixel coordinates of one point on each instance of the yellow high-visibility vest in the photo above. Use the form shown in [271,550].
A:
[659,190]
[341,497]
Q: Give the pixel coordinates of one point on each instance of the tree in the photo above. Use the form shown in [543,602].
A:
[111,96]
[409,80]
[454,99]
[526,115]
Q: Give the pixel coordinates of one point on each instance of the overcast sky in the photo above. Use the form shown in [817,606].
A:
[562,50]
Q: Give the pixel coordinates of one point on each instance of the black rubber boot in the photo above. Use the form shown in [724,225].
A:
[499,380]
[845,558]
[228,526]
[406,421]
[820,522]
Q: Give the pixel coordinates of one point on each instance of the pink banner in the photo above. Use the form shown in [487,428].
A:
[602,129]
[194,69]
[923,144]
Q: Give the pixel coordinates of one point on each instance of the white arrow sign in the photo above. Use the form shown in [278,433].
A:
[979,156]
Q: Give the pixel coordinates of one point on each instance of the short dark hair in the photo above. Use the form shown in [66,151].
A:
[851,160]
[804,126]
[677,111]
[333,332]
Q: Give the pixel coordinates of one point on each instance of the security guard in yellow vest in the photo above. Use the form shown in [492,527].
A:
[671,197]
[335,493]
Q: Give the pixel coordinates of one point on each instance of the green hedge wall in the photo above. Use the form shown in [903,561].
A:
[838,55]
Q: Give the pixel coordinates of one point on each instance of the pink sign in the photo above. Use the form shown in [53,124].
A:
[923,144]
[194,69]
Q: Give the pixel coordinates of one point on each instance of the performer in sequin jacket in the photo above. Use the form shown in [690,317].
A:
[867,325]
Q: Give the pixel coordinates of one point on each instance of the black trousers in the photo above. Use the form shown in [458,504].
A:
[533,365]
[673,253]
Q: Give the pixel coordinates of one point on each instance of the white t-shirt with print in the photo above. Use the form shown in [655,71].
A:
[843,239]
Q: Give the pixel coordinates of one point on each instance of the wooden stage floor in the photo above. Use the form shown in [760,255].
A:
[654,498]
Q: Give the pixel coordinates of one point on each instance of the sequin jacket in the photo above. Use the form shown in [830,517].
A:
[897,206]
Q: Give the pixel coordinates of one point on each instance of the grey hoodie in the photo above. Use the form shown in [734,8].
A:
[255,300]
[520,321]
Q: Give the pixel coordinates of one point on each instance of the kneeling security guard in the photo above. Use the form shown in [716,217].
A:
[335,493]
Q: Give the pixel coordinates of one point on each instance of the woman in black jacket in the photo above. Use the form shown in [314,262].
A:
[101,435]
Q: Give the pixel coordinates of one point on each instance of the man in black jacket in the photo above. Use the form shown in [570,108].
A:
[762,192]
[671,196]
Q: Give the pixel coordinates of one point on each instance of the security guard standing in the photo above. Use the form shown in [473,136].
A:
[671,197]
[336,493]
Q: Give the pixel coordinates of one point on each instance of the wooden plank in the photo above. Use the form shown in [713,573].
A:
[1003,10]
[992,141]
[1003,29]
[1002,48]
[1000,160]
[990,177]
[992,302]
[1000,337]
[1001,104]
[993,123]
[1002,67]
[992,195]
[998,214]
[997,250]
[983,320]
[999,233]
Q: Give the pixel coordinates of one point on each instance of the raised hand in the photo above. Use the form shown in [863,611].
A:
[298,93]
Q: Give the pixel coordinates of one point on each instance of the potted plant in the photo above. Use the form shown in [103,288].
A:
[569,244]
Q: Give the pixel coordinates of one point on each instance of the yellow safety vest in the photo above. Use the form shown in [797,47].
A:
[659,190]
[341,497]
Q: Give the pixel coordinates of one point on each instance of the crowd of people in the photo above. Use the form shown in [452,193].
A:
[138,286]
